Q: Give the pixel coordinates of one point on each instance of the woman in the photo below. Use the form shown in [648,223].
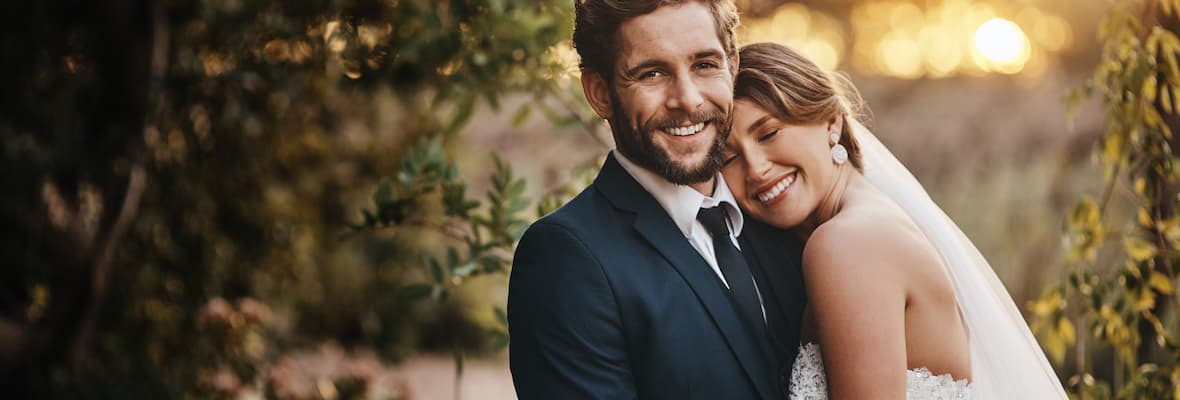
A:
[900,304]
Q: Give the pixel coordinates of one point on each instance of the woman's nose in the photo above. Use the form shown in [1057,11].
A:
[757,165]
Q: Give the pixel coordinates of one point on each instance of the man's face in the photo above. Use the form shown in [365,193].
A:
[672,94]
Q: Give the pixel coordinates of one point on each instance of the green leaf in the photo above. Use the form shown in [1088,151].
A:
[1066,329]
[493,100]
[501,315]
[518,205]
[452,257]
[384,193]
[491,263]
[465,269]
[1166,99]
[1139,249]
[462,115]
[1152,118]
[1161,283]
[439,294]
[1055,347]
[517,188]
[1149,88]
[500,339]
[436,270]
[522,115]
[415,291]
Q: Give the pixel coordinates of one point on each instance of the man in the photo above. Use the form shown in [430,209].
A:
[638,288]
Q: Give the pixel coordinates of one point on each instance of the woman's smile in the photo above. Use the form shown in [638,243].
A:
[772,193]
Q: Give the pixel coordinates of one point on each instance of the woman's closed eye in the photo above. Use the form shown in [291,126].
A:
[728,157]
[768,136]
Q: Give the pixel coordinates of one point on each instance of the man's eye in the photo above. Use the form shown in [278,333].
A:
[706,65]
[768,136]
[650,75]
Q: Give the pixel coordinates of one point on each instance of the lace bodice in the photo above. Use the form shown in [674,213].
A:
[808,381]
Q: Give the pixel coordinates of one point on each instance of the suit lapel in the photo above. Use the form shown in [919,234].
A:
[653,223]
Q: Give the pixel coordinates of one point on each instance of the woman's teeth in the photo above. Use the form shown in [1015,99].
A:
[686,130]
[777,189]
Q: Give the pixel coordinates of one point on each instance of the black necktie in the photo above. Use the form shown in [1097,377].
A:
[734,268]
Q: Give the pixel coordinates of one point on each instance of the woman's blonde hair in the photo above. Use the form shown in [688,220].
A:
[795,90]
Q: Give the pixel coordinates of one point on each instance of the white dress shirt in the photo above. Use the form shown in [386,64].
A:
[682,204]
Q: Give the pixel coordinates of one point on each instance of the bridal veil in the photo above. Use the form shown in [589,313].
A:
[1006,361]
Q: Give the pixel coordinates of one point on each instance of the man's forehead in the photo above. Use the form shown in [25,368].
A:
[670,32]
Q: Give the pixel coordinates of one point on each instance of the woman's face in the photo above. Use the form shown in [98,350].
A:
[779,172]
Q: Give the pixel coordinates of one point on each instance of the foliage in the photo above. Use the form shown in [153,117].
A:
[488,239]
[215,153]
[1121,284]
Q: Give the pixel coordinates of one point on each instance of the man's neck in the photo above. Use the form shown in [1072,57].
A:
[706,188]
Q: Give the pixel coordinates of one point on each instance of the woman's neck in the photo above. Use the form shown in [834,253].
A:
[832,202]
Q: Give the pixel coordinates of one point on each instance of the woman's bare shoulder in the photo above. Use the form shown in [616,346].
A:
[868,241]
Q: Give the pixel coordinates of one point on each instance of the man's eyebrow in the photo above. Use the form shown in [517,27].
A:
[758,124]
[707,54]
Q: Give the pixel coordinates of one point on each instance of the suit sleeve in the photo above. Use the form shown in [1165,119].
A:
[567,338]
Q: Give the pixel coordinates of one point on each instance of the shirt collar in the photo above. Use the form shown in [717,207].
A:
[682,202]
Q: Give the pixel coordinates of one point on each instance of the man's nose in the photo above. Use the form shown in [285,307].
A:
[685,95]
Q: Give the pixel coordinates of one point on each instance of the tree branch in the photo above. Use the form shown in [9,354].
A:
[103,263]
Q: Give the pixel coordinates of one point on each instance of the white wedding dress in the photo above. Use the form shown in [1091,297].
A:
[1006,361]
[808,381]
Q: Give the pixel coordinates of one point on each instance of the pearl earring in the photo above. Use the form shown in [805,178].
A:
[839,153]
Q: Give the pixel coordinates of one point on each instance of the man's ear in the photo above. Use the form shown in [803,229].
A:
[597,93]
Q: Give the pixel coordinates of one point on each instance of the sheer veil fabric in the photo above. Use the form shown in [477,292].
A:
[1006,360]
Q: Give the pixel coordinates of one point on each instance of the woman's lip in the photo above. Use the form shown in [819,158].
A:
[790,182]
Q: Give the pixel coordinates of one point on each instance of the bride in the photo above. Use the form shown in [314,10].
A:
[901,304]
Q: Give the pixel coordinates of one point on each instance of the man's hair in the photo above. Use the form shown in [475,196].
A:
[596,27]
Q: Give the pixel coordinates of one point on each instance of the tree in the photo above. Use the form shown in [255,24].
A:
[1123,254]
[185,180]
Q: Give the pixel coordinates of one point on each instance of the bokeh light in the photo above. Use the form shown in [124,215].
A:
[900,56]
[817,35]
[1002,45]
[934,39]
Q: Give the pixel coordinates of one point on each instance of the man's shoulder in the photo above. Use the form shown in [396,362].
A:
[583,216]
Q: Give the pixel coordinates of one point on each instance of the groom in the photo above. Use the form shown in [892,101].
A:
[640,287]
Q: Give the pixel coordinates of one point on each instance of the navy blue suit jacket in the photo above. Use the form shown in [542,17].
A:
[608,300]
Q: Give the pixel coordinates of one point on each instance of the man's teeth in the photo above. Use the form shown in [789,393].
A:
[686,130]
[777,189]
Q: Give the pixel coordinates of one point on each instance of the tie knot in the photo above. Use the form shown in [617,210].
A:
[713,218]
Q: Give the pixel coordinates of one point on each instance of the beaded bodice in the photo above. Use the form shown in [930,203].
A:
[808,381]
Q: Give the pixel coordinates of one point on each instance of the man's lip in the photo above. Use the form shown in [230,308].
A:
[704,125]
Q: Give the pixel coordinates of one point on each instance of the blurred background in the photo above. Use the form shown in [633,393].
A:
[319,199]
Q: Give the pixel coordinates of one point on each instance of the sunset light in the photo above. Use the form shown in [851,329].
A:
[1003,46]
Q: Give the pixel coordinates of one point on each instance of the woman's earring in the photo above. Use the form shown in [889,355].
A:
[839,153]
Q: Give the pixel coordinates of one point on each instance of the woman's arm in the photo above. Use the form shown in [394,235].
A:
[857,296]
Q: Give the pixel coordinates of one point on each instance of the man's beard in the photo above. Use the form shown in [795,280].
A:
[640,147]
